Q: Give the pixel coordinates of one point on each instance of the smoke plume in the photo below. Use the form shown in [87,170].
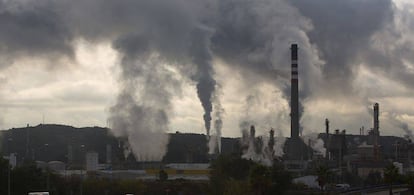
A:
[396,121]
[162,44]
[341,31]
[258,148]
[140,113]
[407,130]
[215,141]
[317,144]
[204,76]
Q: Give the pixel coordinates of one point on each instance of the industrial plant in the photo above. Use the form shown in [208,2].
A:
[68,151]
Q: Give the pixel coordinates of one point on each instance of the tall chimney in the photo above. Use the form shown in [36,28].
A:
[376,120]
[271,139]
[294,94]
[271,143]
[327,126]
[252,132]
[375,131]
[327,139]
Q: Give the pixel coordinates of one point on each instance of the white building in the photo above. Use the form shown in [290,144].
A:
[56,165]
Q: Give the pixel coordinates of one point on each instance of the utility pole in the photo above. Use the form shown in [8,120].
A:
[81,175]
[8,178]
[9,168]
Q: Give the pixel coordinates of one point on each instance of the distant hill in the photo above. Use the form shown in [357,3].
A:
[49,142]
[52,142]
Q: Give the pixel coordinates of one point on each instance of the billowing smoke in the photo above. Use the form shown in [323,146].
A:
[127,150]
[159,39]
[278,147]
[155,39]
[317,144]
[407,130]
[204,75]
[342,30]
[148,81]
[215,140]
[261,149]
[255,39]
[398,122]
[33,29]
[140,113]
[246,119]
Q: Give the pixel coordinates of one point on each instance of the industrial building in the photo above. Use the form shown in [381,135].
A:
[361,155]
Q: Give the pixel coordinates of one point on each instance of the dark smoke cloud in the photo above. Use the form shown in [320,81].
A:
[255,36]
[169,31]
[342,30]
[33,29]
[390,54]
[157,39]
[206,84]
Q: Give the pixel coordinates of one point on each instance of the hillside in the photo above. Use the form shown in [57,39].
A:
[53,142]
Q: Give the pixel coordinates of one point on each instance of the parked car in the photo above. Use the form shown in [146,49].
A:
[342,186]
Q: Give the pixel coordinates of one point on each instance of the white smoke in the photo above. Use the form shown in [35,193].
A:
[215,141]
[141,112]
[398,121]
[127,150]
[279,144]
[317,144]
[257,148]
[252,37]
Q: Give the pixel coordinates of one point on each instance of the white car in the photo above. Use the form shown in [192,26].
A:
[342,186]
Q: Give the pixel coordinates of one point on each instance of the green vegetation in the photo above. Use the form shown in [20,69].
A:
[232,175]
[163,175]
[391,175]
[3,175]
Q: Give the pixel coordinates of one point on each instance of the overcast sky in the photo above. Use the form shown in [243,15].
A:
[73,62]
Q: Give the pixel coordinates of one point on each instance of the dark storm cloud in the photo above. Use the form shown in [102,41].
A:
[391,52]
[342,30]
[254,37]
[170,33]
[33,30]
[251,36]
[245,34]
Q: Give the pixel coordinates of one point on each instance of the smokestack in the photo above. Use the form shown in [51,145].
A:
[294,94]
[252,132]
[375,131]
[327,139]
[271,139]
[327,127]
[376,120]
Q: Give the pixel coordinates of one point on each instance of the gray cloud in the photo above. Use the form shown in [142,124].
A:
[33,29]
[158,40]
[342,30]
[390,54]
